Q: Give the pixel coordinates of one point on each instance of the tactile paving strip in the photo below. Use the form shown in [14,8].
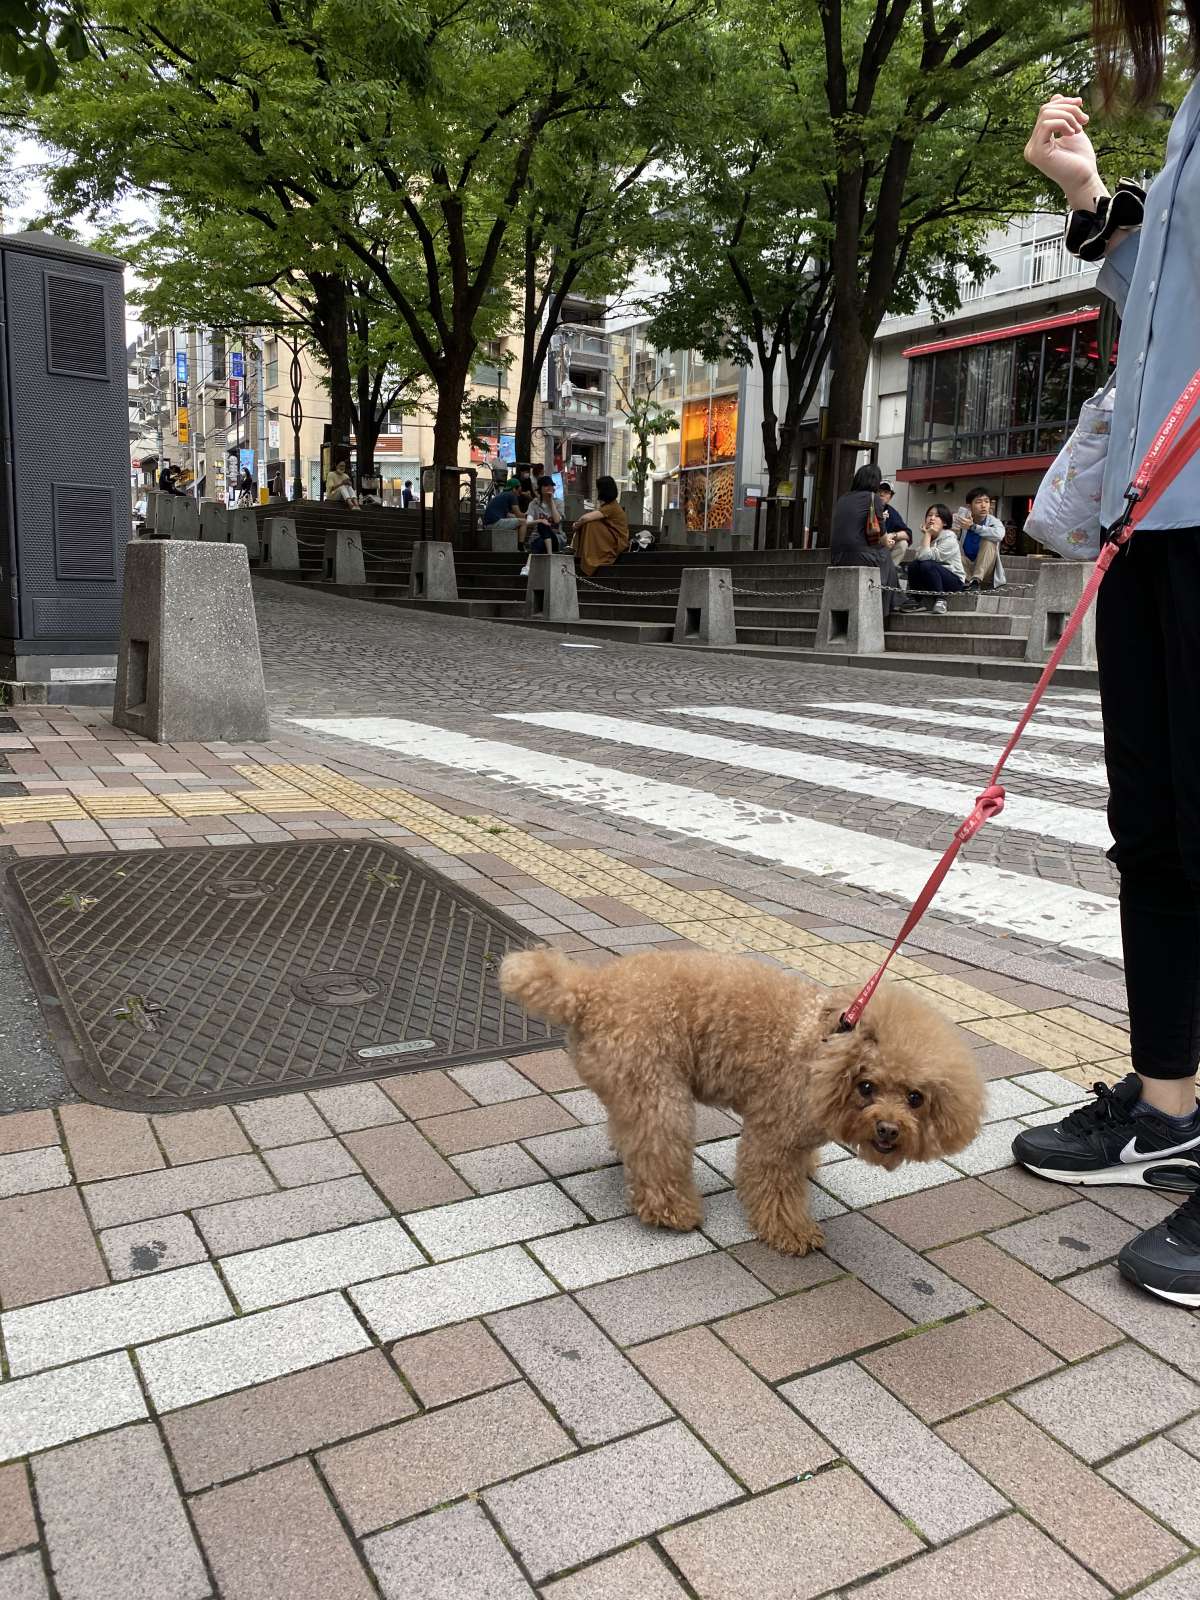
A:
[186,978]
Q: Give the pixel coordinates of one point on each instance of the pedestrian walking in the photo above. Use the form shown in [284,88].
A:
[1145,1130]
[406,494]
[245,487]
[857,538]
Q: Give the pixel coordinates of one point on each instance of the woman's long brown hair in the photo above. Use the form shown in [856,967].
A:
[1131,38]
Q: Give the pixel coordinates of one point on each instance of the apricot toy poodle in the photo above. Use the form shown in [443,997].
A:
[652,1034]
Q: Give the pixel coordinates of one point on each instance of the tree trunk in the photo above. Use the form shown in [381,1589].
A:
[526,400]
[447,434]
[851,358]
[333,329]
[368,422]
[774,477]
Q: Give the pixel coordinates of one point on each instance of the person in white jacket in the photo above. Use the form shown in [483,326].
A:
[936,564]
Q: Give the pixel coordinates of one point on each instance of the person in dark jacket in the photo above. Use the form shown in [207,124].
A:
[895,524]
[857,537]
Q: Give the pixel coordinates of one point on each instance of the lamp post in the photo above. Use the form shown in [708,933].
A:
[297,413]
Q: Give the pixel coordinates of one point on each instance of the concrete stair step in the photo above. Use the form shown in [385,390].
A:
[794,638]
[996,646]
[954,622]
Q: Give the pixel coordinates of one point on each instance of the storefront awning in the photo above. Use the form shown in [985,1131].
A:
[1070,319]
[952,471]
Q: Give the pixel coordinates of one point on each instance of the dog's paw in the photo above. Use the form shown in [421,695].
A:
[680,1212]
[796,1240]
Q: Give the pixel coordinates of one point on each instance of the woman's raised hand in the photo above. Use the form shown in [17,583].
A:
[1059,147]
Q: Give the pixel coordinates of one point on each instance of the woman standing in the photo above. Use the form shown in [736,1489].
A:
[1146,1129]
[937,561]
[857,538]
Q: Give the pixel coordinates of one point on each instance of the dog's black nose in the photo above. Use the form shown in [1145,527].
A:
[886,1132]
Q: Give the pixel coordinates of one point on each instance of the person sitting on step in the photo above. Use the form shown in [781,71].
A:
[936,564]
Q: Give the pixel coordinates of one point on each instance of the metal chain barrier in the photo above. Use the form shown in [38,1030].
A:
[632,594]
[941,594]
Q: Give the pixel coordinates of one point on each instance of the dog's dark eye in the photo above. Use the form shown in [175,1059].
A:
[867,1089]
[915,1098]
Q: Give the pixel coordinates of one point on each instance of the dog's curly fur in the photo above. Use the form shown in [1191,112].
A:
[652,1034]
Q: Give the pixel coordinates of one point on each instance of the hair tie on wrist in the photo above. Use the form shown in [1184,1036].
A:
[1088,232]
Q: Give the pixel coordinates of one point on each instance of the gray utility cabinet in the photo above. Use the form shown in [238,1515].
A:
[64,466]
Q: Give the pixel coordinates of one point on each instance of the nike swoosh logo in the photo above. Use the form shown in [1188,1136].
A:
[1132,1153]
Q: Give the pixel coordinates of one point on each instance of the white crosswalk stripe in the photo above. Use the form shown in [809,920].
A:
[1038,763]
[1014,708]
[1022,813]
[1054,913]
[958,719]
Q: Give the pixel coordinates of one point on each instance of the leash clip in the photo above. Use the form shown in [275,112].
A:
[1114,534]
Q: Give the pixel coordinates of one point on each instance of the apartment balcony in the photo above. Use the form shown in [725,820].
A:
[584,415]
[588,349]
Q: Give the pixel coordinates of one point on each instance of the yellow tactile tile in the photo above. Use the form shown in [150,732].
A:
[809,963]
[1047,1043]
[978,1002]
[901,966]
[116,806]
[198,804]
[1090,1027]
[54,808]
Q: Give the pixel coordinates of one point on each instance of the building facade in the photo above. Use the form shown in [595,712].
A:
[986,397]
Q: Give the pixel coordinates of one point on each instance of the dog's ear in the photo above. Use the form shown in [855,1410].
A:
[955,1111]
[832,1069]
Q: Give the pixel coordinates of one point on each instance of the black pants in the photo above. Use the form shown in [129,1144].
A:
[933,575]
[1148,639]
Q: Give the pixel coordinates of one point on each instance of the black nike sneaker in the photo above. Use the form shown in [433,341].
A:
[1166,1258]
[1105,1143]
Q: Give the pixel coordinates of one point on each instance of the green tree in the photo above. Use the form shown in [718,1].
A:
[34,36]
[920,110]
[400,134]
[648,420]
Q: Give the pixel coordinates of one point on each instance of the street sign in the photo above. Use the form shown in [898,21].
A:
[183,425]
[181,396]
[237,364]
[235,393]
[181,366]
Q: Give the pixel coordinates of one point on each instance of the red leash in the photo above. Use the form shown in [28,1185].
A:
[1163,462]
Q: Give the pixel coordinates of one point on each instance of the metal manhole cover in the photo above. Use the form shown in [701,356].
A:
[193,977]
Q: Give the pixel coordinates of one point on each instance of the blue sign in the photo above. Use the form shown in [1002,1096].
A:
[508,448]
[246,458]
[181,370]
[237,364]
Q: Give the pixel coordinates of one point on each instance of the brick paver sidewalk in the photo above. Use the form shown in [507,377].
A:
[403,1339]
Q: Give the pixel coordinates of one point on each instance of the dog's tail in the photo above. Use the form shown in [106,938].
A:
[546,983]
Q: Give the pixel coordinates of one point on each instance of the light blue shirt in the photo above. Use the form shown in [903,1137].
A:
[1153,275]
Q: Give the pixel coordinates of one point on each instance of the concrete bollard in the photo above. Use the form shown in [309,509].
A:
[634,506]
[185,517]
[674,528]
[704,614]
[501,536]
[214,521]
[551,594]
[280,546]
[189,666]
[243,529]
[573,506]
[150,520]
[851,617]
[431,575]
[343,557]
[1059,587]
[732,539]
